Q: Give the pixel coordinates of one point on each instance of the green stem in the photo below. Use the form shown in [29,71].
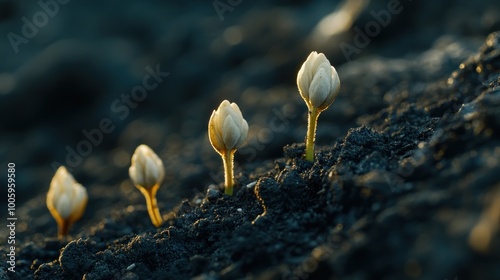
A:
[312,121]
[228,158]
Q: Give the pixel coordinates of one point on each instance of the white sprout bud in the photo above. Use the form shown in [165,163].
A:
[147,173]
[66,199]
[318,81]
[319,85]
[147,168]
[227,130]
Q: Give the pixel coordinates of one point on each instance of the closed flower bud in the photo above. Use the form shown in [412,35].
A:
[318,81]
[227,129]
[66,199]
[147,168]
[319,85]
[147,173]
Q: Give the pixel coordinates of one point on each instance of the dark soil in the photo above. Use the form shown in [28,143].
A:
[405,183]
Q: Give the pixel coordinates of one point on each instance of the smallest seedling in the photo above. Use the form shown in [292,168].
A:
[319,85]
[66,200]
[147,173]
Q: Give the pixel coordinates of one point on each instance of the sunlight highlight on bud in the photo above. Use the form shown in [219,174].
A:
[66,200]
[227,131]
[319,85]
[147,173]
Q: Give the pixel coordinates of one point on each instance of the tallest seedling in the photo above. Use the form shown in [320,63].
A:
[319,85]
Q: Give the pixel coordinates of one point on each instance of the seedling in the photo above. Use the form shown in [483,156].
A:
[227,131]
[319,85]
[147,173]
[66,200]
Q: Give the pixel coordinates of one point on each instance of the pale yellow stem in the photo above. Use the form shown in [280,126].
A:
[312,121]
[153,211]
[63,227]
[228,158]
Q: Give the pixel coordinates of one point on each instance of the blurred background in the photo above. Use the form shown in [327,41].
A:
[83,83]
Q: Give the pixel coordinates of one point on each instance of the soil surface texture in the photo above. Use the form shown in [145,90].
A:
[405,183]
